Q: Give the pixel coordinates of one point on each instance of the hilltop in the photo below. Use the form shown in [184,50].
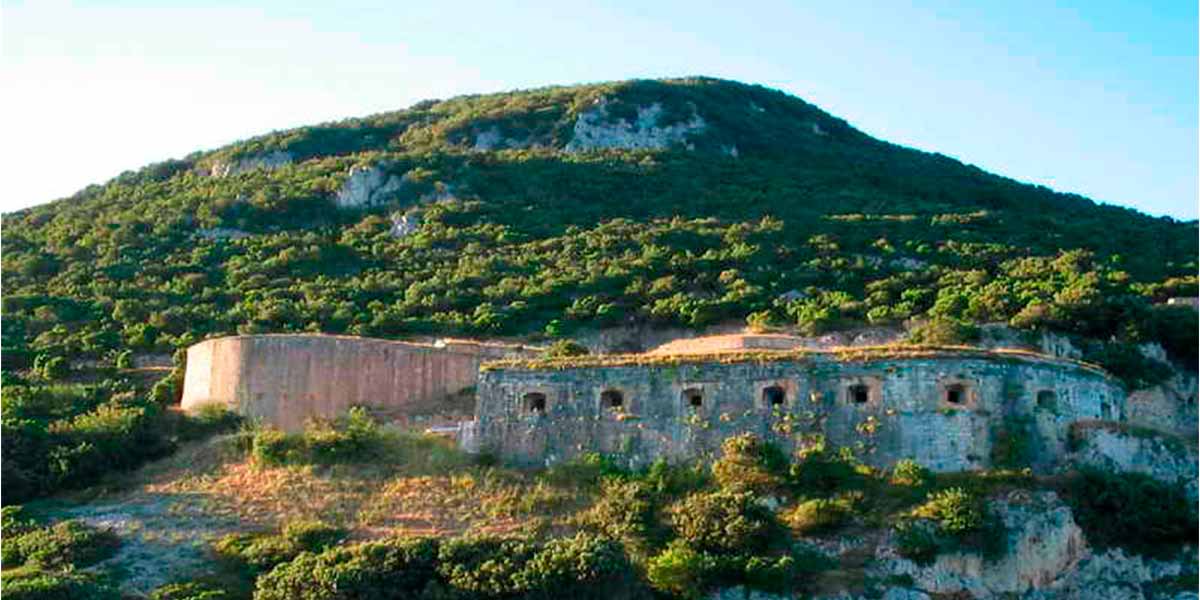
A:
[546,214]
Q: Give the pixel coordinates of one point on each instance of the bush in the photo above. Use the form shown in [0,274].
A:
[486,566]
[819,470]
[955,510]
[1133,511]
[723,522]
[64,545]
[259,553]
[821,514]
[908,472]
[561,348]
[748,463]
[626,511]
[32,584]
[944,331]
[681,571]
[354,437]
[954,519]
[190,590]
[584,566]
[588,469]
[917,541]
[383,570]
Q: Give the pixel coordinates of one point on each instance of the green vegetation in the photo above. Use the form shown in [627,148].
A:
[354,437]
[468,568]
[254,554]
[40,562]
[1133,511]
[540,242]
[950,519]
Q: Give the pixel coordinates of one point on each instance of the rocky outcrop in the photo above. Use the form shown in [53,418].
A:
[221,233]
[366,186]
[1112,449]
[1169,406]
[404,224]
[1043,542]
[1114,574]
[596,130]
[268,162]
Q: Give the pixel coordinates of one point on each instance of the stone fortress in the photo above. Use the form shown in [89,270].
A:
[948,408]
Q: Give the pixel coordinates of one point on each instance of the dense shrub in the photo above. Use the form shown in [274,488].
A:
[65,544]
[190,590]
[208,419]
[561,348]
[378,570]
[723,522]
[32,584]
[259,553]
[908,472]
[354,437]
[949,520]
[583,566]
[682,571]
[954,510]
[820,470]
[918,541]
[821,514]
[749,463]
[1133,511]
[626,511]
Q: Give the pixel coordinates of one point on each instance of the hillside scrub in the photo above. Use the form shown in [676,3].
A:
[541,242]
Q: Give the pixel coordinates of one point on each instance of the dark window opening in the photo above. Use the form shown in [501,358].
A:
[774,396]
[612,399]
[859,394]
[956,394]
[1047,400]
[535,402]
[1106,411]
[693,397]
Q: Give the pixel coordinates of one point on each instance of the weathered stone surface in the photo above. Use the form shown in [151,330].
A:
[222,233]
[1165,459]
[366,186]
[285,379]
[904,411]
[404,224]
[267,162]
[1170,405]
[595,130]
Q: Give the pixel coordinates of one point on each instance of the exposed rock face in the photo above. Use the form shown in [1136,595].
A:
[366,186]
[594,130]
[222,233]
[404,224]
[1170,405]
[268,161]
[1043,542]
[1112,574]
[1166,460]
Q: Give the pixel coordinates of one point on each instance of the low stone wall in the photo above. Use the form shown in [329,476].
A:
[286,379]
[942,410]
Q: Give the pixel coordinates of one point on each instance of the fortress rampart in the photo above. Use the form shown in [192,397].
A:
[286,379]
[943,407]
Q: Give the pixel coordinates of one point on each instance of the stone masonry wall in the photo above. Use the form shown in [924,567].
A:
[942,412]
[286,379]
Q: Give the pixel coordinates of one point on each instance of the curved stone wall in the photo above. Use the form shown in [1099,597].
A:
[943,411]
[286,379]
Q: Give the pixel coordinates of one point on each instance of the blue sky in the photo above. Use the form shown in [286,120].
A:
[1097,98]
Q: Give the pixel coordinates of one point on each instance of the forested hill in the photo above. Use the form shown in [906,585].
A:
[687,201]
